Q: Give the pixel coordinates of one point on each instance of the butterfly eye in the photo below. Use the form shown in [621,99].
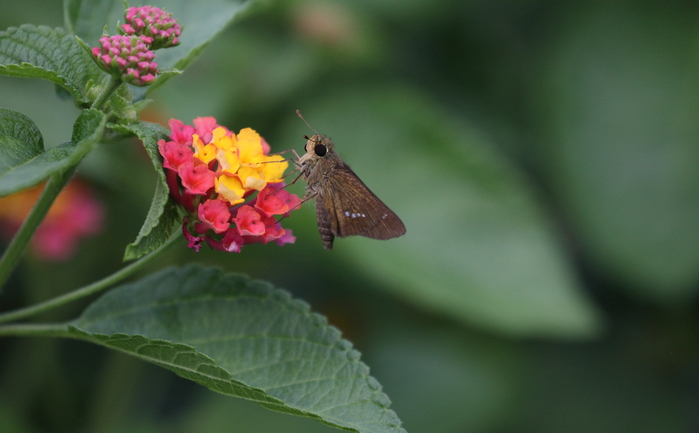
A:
[320,149]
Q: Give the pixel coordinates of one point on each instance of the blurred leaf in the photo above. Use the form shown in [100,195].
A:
[20,139]
[623,151]
[87,18]
[443,381]
[87,132]
[241,338]
[11,421]
[479,246]
[201,21]
[214,412]
[51,54]
[162,215]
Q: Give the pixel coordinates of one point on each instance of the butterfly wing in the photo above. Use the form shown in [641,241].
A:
[353,210]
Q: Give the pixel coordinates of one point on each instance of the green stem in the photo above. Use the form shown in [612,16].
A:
[106,93]
[14,251]
[89,289]
[35,330]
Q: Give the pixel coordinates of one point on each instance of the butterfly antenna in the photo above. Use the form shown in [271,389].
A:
[304,121]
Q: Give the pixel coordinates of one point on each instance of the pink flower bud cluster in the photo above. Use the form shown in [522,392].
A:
[127,56]
[154,23]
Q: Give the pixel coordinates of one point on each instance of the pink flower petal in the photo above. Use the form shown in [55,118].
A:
[249,222]
[196,179]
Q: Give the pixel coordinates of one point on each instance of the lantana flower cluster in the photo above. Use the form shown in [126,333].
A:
[213,174]
[130,55]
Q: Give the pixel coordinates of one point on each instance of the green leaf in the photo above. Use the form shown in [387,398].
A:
[87,18]
[20,139]
[120,107]
[623,153]
[479,246]
[51,54]
[36,167]
[162,214]
[241,338]
[201,23]
[157,228]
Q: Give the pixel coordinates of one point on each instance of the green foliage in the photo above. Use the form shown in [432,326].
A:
[22,140]
[162,214]
[543,159]
[241,338]
[483,250]
[50,54]
[28,168]
[201,24]
[230,334]
[626,149]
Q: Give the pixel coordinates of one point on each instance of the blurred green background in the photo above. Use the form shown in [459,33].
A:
[543,156]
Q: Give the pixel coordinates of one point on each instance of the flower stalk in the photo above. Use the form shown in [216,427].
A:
[19,243]
[89,289]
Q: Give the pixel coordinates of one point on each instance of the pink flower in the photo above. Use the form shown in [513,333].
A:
[232,241]
[249,222]
[212,172]
[204,127]
[181,133]
[196,179]
[273,230]
[193,242]
[214,215]
[174,154]
[265,146]
[286,238]
[74,215]
[273,200]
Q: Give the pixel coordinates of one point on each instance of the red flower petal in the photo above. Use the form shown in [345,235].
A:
[174,154]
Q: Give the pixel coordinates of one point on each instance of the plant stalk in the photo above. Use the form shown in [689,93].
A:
[19,243]
[89,289]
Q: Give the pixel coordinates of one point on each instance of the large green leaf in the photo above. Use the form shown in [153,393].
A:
[35,167]
[623,150]
[162,215]
[51,54]
[201,21]
[479,247]
[241,338]
[20,139]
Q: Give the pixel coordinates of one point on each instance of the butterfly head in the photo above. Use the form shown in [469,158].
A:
[319,146]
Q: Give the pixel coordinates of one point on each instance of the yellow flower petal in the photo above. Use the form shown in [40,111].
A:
[273,172]
[249,144]
[229,161]
[206,153]
[252,179]
[230,188]
[221,140]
